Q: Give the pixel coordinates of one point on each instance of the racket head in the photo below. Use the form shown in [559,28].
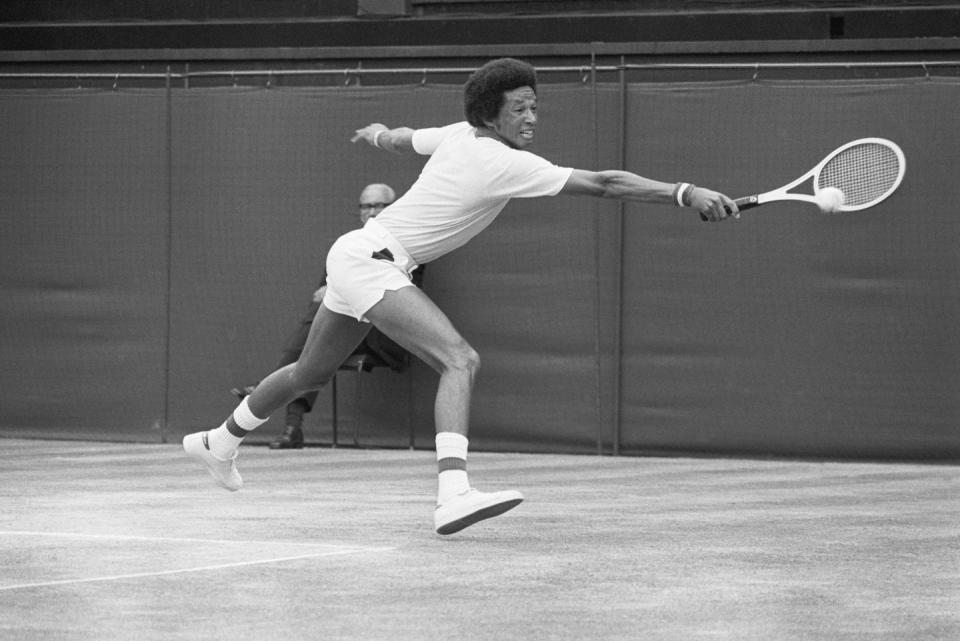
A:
[867,171]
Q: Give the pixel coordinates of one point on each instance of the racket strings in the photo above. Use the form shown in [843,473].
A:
[865,173]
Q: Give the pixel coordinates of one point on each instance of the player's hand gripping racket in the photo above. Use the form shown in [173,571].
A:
[865,171]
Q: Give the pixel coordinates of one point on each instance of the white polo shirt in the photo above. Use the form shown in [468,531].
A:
[464,185]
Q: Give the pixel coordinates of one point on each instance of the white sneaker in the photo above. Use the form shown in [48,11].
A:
[466,508]
[224,471]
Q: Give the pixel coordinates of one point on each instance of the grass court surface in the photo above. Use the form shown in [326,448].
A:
[106,541]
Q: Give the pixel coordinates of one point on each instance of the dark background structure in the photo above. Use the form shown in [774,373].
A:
[172,173]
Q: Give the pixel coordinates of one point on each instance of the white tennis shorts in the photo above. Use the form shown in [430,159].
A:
[363,265]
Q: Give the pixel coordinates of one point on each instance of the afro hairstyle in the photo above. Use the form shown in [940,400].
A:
[483,93]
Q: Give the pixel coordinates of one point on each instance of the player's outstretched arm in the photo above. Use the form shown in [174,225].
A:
[382,137]
[624,185]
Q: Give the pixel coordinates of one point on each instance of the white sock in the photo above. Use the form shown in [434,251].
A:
[451,465]
[224,443]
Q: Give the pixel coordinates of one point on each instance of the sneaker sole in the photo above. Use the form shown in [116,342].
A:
[479,515]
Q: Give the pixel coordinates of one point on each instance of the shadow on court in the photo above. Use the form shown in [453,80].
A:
[118,541]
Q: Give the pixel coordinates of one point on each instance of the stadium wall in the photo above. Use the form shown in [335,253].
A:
[159,244]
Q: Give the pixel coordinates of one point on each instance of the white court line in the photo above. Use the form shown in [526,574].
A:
[174,539]
[341,550]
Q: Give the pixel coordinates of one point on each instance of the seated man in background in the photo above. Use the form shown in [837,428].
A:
[381,349]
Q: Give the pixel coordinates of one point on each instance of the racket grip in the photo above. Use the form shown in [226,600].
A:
[747,202]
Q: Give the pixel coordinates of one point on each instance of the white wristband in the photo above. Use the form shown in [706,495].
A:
[679,193]
[376,139]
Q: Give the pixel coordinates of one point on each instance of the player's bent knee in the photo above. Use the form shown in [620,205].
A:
[465,359]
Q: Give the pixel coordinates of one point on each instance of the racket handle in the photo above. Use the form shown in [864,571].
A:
[747,202]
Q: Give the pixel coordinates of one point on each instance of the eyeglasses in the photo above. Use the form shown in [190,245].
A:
[372,206]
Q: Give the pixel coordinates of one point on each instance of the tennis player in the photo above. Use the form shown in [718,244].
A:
[475,168]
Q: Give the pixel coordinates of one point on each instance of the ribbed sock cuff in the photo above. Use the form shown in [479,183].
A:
[245,419]
[451,445]
[451,465]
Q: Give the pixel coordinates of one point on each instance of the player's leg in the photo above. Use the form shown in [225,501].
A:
[332,338]
[410,318]
[292,435]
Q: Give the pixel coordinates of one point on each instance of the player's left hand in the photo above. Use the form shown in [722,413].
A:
[712,205]
[367,133]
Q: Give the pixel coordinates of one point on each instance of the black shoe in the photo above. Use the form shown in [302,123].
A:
[291,439]
[244,392]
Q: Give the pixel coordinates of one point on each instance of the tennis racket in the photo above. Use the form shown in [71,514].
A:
[867,171]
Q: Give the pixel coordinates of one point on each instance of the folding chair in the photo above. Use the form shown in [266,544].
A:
[360,363]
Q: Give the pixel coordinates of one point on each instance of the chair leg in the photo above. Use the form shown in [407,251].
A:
[356,422]
[333,394]
[413,432]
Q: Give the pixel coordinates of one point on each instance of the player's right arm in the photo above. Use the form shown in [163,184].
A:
[624,185]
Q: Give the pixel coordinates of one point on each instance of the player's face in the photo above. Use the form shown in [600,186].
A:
[516,123]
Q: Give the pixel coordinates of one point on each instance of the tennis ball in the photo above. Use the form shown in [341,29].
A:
[829,200]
